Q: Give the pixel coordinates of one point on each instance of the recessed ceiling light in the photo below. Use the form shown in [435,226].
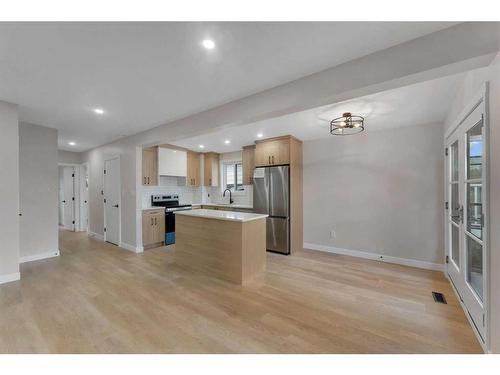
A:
[208,44]
[227,141]
[72,143]
[260,135]
[201,146]
[99,111]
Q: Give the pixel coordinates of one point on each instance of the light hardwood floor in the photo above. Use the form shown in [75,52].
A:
[97,298]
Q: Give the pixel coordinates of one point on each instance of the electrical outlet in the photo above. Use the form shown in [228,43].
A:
[333,234]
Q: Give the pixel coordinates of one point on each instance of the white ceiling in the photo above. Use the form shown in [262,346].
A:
[419,104]
[147,74]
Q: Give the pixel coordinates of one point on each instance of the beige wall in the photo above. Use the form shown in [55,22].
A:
[380,191]
[68,157]
[38,201]
[9,193]
[470,87]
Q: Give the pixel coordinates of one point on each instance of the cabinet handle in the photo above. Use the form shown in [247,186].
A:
[148,180]
[273,159]
[144,180]
[269,160]
[155,221]
[152,222]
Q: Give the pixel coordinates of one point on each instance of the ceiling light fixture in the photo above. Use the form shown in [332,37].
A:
[227,141]
[347,124]
[260,135]
[201,146]
[72,143]
[208,44]
[99,111]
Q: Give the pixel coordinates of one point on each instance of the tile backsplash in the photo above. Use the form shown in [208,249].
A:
[172,185]
[240,197]
[193,195]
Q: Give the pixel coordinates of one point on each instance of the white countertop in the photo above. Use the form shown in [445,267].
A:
[227,205]
[223,215]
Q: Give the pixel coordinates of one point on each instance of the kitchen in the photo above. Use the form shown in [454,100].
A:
[244,184]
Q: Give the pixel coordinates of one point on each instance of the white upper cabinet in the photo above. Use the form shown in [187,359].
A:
[172,162]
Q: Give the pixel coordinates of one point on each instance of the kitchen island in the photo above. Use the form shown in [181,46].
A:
[224,244]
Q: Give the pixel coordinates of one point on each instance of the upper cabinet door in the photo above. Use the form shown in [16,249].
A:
[263,153]
[150,166]
[248,163]
[172,162]
[281,152]
[193,169]
[272,152]
[211,166]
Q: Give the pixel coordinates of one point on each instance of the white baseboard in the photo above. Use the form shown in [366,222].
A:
[128,247]
[97,236]
[10,277]
[31,258]
[466,313]
[379,257]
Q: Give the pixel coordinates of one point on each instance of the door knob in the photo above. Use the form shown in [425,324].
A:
[116,206]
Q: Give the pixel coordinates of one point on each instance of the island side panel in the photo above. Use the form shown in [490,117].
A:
[209,246]
[254,249]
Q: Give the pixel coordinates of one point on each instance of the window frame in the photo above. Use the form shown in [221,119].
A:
[238,188]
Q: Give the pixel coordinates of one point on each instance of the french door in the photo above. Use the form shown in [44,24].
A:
[466,225]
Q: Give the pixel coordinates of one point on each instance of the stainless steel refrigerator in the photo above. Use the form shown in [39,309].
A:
[271,195]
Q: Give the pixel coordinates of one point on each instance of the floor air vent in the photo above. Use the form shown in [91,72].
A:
[439,297]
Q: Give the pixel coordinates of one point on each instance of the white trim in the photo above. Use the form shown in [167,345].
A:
[97,236]
[374,256]
[31,258]
[128,247]
[466,313]
[10,277]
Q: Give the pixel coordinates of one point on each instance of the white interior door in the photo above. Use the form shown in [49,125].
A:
[85,199]
[61,196]
[466,215]
[112,200]
[68,198]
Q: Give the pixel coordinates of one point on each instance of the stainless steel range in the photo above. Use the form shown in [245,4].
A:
[171,204]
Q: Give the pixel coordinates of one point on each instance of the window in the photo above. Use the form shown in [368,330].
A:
[233,176]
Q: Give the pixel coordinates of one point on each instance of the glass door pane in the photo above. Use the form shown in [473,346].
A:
[475,152]
[454,161]
[455,245]
[475,266]
[475,210]
[455,204]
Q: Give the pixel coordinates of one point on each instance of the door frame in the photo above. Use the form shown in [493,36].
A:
[81,188]
[76,192]
[119,201]
[482,96]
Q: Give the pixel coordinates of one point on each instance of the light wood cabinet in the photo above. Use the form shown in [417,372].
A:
[211,166]
[273,151]
[153,228]
[150,166]
[248,163]
[193,169]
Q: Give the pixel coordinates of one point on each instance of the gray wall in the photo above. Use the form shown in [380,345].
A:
[380,191]
[69,157]
[470,87]
[453,50]
[9,192]
[38,175]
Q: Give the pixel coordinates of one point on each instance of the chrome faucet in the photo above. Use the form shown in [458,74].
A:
[230,195]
